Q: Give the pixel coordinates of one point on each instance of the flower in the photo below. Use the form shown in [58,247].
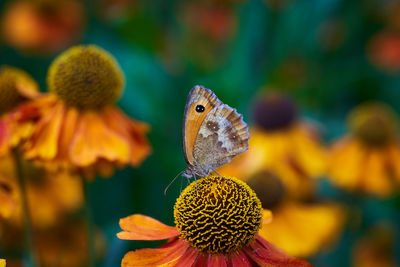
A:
[217,220]
[301,227]
[281,143]
[76,125]
[51,196]
[366,159]
[42,26]
[7,206]
[2,263]
[16,87]
[383,50]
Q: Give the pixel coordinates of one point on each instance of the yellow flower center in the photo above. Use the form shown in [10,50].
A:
[274,111]
[269,188]
[218,215]
[12,83]
[86,77]
[374,124]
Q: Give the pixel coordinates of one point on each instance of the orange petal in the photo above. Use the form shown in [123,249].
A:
[141,227]
[266,254]
[7,205]
[240,260]
[44,142]
[217,261]
[132,131]
[94,140]
[188,258]
[156,256]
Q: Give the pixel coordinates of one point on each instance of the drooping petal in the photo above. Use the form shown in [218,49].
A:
[266,254]
[94,140]
[188,258]
[132,131]
[44,143]
[217,261]
[141,227]
[165,256]
[240,260]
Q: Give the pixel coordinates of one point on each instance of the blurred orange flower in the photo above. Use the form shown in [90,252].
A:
[217,220]
[63,244]
[42,26]
[50,195]
[16,87]
[76,125]
[281,143]
[383,51]
[366,160]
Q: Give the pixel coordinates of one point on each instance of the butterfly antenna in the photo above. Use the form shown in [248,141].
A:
[166,189]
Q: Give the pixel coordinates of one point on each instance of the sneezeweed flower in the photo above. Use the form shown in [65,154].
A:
[383,50]
[366,159]
[16,87]
[282,143]
[294,219]
[217,221]
[50,196]
[8,204]
[77,125]
[42,26]
[66,244]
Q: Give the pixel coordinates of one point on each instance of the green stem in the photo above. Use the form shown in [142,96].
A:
[90,225]
[29,245]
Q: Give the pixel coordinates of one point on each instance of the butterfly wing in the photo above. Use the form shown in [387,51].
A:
[193,119]
[222,135]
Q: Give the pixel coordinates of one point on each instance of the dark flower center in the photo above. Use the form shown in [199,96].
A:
[218,215]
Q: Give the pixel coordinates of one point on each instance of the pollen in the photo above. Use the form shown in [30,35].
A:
[374,124]
[218,215]
[14,83]
[86,77]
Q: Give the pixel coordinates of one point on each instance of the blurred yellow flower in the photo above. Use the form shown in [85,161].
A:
[281,143]
[283,159]
[217,223]
[77,126]
[301,227]
[367,159]
[2,263]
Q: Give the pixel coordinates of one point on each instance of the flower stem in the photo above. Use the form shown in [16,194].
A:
[29,245]
[90,225]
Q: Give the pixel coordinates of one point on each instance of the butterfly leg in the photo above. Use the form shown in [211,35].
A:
[223,178]
[194,177]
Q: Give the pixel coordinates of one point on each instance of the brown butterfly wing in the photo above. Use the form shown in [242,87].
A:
[192,119]
[222,135]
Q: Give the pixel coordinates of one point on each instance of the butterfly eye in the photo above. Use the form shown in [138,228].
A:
[200,108]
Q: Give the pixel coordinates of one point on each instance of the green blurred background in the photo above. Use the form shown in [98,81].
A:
[316,51]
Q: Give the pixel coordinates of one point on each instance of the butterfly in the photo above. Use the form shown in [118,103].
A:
[213,133]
